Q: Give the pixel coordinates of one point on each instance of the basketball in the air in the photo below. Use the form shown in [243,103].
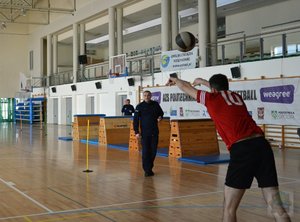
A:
[185,41]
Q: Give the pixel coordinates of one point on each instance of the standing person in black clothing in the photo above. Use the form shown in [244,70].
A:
[147,114]
[127,109]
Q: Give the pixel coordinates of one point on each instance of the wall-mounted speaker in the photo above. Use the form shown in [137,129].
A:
[53,89]
[130,81]
[82,59]
[235,72]
[73,87]
[98,85]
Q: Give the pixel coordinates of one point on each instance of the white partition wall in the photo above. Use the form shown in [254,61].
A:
[80,104]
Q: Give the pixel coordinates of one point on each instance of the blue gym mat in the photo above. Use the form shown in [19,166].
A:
[118,146]
[65,138]
[92,142]
[160,151]
[220,158]
[163,152]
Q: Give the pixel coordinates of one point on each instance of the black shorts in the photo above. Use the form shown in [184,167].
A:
[248,159]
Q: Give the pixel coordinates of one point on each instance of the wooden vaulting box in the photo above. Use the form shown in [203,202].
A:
[114,130]
[164,136]
[193,138]
[80,126]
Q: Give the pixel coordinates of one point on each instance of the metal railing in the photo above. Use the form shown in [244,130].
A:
[137,65]
[60,78]
[284,42]
[37,82]
[93,72]
[235,48]
[144,64]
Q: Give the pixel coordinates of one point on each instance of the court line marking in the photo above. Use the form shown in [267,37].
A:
[27,219]
[217,175]
[80,204]
[70,217]
[117,204]
[9,184]
[110,205]
[162,165]
[192,170]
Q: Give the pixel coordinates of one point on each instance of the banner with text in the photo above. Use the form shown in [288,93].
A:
[271,101]
[268,101]
[176,60]
[178,105]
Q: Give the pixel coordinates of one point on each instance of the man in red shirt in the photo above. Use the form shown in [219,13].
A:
[250,153]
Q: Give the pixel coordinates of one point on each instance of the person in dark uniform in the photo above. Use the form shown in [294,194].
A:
[127,109]
[146,117]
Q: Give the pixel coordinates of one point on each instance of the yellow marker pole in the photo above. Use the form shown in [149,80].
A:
[87,143]
[87,147]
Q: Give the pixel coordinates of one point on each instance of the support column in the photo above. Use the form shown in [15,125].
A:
[120,30]
[75,52]
[174,21]
[55,69]
[81,50]
[49,57]
[213,32]
[111,32]
[82,39]
[203,31]
[165,25]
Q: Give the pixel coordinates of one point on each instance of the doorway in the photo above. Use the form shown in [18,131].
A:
[55,111]
[90,106]
[120,103]
[69,111]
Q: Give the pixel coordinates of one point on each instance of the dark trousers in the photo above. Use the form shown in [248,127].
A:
[149,149]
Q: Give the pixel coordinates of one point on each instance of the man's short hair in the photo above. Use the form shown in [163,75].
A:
[219,82]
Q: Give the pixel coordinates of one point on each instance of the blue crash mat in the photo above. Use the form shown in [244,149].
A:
[65,138]
[164,152]
[118,146]
[93,142]
[220,158]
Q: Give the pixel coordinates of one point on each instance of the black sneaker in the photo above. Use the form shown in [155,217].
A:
[149,174]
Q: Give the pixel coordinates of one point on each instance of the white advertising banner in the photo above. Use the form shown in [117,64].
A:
[176,60]
[272,101]
[176,104]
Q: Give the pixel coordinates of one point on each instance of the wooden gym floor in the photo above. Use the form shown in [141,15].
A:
[41,179]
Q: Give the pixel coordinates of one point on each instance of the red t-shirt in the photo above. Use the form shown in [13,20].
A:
[229,112]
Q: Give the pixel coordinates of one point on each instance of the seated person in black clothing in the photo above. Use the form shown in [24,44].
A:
[127,109]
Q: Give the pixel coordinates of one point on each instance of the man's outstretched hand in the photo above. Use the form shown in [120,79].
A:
[200,81]
[171,81]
